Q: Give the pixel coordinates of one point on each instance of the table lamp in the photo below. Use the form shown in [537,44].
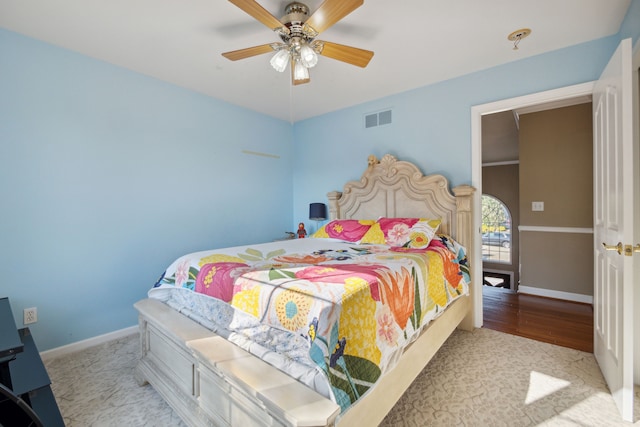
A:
[317,212]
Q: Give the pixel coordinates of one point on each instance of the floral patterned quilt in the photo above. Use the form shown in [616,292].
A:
[353,308]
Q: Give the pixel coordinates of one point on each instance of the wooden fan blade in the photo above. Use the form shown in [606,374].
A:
[348,54]
[261,14]
[330,12]
[248,52]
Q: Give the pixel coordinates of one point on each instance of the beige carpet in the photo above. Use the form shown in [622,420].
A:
[483,378]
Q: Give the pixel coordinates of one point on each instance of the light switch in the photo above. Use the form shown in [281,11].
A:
[537,206]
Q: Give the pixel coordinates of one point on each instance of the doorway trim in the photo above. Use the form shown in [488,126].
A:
[555,97]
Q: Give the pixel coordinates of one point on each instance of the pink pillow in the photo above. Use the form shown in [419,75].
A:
[349,230]
[413,233]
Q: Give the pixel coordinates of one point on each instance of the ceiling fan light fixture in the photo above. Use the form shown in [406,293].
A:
[300,72]
[297,30]
[280,60]
[308,57]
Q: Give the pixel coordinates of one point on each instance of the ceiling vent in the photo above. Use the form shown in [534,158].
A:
[377,119]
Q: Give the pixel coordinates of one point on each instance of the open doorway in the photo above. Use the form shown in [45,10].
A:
[540,301]
[550,99]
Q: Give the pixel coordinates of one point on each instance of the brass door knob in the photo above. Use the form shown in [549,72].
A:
[617,248]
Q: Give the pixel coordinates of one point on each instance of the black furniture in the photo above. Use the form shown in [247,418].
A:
[25,395]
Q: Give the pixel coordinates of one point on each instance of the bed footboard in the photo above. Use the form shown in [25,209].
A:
[210,381]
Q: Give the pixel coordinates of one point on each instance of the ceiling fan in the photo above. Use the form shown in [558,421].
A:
[298,32]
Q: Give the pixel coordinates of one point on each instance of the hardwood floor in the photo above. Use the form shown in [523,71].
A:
[565,323]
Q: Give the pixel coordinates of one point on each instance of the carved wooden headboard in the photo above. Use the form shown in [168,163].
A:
[393,188]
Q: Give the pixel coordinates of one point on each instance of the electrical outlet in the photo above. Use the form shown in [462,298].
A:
[30,315]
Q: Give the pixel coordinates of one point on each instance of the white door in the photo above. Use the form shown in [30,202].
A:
[613,162]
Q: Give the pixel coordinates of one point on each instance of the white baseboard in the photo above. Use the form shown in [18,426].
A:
[587,299]
[90,342]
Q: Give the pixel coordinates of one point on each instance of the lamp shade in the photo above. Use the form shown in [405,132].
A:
[317,211]
[308,57]
[280,60]
[300,72]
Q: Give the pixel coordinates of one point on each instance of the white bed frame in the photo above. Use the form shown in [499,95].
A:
[210,381]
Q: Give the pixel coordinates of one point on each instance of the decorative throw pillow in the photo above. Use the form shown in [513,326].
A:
[413,233]
[349,230]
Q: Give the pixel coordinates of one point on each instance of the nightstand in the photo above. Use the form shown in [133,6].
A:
[23,373]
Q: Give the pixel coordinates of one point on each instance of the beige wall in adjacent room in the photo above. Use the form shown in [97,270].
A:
[558,261]
[501,182]
[556,167]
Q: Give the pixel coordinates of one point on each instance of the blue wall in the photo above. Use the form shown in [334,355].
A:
[431,125]
[107,176]
[631,25]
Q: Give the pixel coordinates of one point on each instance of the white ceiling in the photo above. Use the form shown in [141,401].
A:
[416,43]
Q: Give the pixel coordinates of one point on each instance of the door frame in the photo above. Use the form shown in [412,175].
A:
[635,58]
[555,96]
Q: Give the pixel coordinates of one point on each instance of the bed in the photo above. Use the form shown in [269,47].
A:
[217,350]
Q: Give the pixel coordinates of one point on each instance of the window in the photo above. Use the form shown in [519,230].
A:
[496,231]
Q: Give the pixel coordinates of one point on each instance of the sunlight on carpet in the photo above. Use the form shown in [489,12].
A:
[541,385]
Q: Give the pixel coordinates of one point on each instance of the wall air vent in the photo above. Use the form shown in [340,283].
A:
[377,119]
[371,120]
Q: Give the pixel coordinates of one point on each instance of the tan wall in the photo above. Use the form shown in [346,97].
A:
[502,183]
[557,261]
[556,167]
